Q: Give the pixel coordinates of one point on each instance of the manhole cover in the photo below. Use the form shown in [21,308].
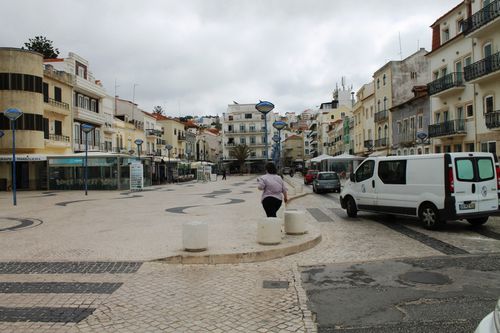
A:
[275,284]
[425,278]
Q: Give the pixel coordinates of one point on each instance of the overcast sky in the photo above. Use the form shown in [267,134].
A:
[196,57]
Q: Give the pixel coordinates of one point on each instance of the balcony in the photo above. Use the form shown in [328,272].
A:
[484,69]
[89,116]
[480,23]
[493,119]
[368,144]
[381,116]
[107,128]
[161,142]
[58,141]
[448,128]
[407,138]
[56,106]
[152,132]
[181,137]
[450,83]
[382,142]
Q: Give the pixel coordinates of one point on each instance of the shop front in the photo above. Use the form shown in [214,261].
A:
[104,172]
[31,172]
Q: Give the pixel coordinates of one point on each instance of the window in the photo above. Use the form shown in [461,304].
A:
[57,127]
[489,147]
[385,103]
[57,94]
[243,141]
[16,82]
[378,105]
[420,121]
[242,128]
[488,104]
[45,92]
[485,168]
[365,171]
[437,149]
[29,82]
[378,83]
[248,116]
[230,117]
[460,112]
[413,75]
[469,146]
[435,75]
[4,81]
[446,35]
[447,148]
[444,71]
[457,148]
[384,80]
[460,25]
[469,110]
[252,140]
[465,169]
[93,105]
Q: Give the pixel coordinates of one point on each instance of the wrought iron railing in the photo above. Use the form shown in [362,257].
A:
[449,127]
[382,142]
[368,144]
[493,119]
[407,137]
[482,17]
[482,67]
[448,81]
[381,115]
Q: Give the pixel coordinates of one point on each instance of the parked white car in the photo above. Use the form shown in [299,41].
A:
[434,187]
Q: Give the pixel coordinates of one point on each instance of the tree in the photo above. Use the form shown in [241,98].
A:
[241,153]
[42,45]
[158,110]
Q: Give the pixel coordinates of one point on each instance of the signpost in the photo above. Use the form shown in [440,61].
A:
[136,176]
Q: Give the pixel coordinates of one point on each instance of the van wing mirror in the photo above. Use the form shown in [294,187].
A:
[352,178]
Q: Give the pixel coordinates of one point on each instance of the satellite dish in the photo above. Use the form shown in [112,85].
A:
[422,135]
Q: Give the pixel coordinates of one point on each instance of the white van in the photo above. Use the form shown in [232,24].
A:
[434,187]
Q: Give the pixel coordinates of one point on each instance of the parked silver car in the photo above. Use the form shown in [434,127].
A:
[326,181]
[490,323]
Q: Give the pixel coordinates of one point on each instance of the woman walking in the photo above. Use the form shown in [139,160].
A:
[274,191]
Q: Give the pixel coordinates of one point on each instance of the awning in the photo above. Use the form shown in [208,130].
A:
[24,158]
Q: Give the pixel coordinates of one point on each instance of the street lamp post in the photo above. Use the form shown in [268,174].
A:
[279,125]
[169,148]
[86,128]
[13,115]
[264,108]
[138,142]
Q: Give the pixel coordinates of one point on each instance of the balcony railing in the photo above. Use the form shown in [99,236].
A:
[152,132]
[446,82]
[446,128]
[482,17]
[368,144]
[181,137]
[58,104]
[493,119]
[482,67]
[407,138]
[161,142]
[381,142]
[381,115]
[57,137]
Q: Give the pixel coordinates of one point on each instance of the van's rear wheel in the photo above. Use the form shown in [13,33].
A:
[351,209]
[429,216]
[478,221]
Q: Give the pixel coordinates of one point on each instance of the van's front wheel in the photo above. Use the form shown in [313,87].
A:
[429,216]
[351,209]
[478,221]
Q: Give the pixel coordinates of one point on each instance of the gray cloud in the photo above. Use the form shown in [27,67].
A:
[197,56]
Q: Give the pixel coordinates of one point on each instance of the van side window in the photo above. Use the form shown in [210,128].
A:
[465,169]
[365,171]
[392,172]
[485,168]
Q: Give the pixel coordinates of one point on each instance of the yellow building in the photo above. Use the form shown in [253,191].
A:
[293,151]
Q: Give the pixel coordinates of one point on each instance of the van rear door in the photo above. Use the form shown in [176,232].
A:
[474,183]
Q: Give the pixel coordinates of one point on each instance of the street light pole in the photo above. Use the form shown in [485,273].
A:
[13,115]
[169,148]
[279,125]
[86,128]
[264,108]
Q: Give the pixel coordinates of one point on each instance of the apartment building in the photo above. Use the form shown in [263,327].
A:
[393,85]
[243,125]
[482,27]
[292,152]
[363,131]
[88,94]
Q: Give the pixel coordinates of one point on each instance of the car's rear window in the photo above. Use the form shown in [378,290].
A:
[475,169]
[328,176]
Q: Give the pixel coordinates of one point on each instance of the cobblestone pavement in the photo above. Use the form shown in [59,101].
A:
[142,296]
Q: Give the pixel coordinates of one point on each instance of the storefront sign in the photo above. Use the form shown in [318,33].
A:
[23,158]
[136,176]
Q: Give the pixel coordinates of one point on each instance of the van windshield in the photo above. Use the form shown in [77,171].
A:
[475,169]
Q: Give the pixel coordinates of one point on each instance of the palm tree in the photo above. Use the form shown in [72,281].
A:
[241,153]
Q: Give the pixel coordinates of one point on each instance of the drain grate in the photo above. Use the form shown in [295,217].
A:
[44,314]
[58,287]
[89,267]
[269,284]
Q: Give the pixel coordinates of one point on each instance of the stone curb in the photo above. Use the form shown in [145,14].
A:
[242,257]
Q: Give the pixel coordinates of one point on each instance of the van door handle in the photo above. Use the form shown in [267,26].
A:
[373,183]
[473,188]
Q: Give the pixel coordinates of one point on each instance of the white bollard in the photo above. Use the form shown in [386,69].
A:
[295,222]
[269,231]
[195,236]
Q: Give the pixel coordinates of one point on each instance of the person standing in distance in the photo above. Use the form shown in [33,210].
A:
[223,174]
[274,191]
